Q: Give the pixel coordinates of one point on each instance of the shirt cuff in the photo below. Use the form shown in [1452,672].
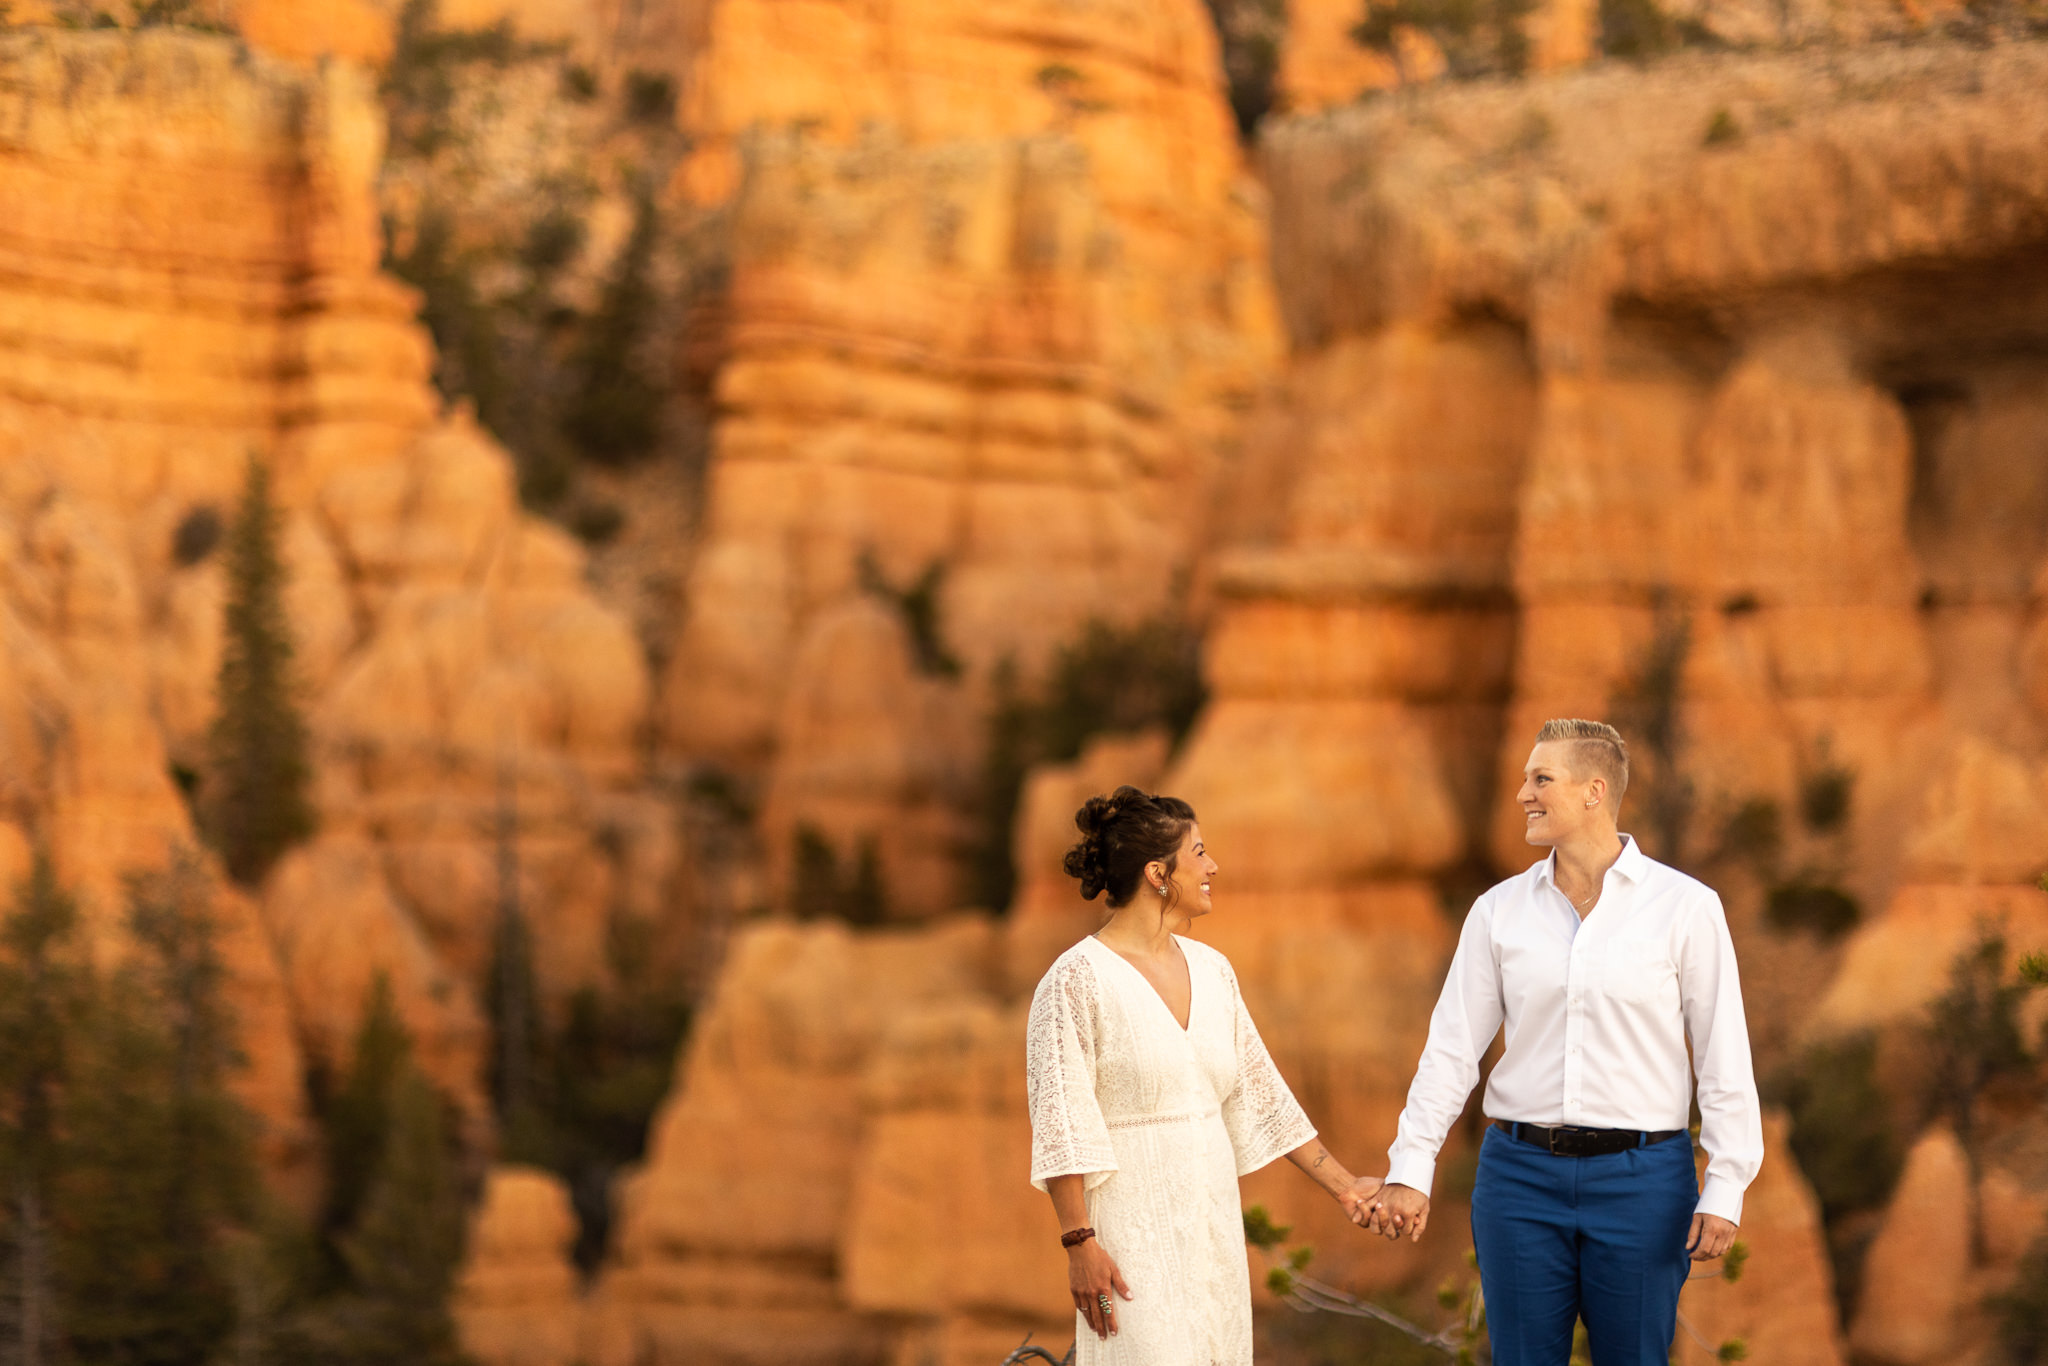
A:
[1414,1170]
[1720,1196]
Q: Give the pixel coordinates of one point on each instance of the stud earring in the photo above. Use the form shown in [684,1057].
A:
[1162,891]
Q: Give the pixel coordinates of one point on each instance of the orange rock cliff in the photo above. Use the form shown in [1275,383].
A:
[1704,393]
[193,282]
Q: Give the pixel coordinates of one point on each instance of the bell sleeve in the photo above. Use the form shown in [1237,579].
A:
[1262,1116]
[1068,1136]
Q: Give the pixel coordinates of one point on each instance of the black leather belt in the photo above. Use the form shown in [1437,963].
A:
[1567,1140]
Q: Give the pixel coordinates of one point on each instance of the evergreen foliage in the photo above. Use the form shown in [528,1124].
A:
[614,413]
[1810,898]
[355,1118]
[1646,709]
[575,1095]
[1476,37]
[419,80]
[44,993]
[1638,29]
[1842,1129]
[198,532]
[127,1163]
[1109,679]
[650,97]
[2022,1309]
[1973,1029]
[391,1237]
[255,803]
[399,1258]
[1251,33]
[594,1081]
[608,1068]
[919,605]
[163,1165]
[820,891]
[512,1002]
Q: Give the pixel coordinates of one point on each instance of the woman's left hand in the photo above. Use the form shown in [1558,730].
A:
[1710,1237]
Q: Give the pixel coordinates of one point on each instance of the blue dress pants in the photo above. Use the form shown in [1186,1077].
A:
[1599,1238]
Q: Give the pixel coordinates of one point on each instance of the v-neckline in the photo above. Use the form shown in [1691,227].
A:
[1185,962]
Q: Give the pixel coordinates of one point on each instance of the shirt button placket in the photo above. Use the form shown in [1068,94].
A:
[1574,1024]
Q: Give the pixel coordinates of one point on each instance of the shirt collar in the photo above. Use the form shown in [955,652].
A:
[1632,864]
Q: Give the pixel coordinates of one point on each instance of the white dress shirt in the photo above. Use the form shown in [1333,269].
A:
[1598,1015]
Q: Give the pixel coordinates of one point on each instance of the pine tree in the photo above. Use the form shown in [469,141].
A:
[358,1115]
[43,993]
[395,1218]
[161,1171]
[404,1252]
[256,804]
[518,1033]
[614,416]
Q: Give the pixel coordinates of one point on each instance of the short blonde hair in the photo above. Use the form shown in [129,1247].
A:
[1594,745]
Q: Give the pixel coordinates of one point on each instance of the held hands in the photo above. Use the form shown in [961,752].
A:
[1093,1279]
[1399,1210]
[1711,1236]
[1357,1199]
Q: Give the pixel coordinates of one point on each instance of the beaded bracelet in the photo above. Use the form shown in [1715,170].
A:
[1076,1237]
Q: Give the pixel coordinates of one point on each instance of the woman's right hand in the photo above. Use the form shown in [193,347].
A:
[1092,1274]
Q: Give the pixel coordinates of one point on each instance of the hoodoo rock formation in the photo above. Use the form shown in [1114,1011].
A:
[997,296]
[1758,492]
[1704,393]
[1588,412]
[192,282]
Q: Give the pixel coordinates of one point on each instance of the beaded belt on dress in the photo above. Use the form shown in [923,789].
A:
[1143,1121]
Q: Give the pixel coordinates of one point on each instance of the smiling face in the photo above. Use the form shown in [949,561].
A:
[1188,884]
[1557,804]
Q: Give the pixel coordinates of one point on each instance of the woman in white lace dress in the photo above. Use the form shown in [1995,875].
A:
[1151,1094]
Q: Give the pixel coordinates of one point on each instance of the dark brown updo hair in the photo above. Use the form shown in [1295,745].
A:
[1120,834]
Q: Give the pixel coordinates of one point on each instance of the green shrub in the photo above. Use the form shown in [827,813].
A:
[579,83]
[1637,29]
[1251,33]
[1755,835]
[1973,1033]
[1818,907]
[419,80]
[1842,1127]
[1825,797]
[1646,710]
[197,533]
[1811,899]
[2022,1309]
[650,97]
[615,409]
[819,891]
[552,241]
[597,522]
[1722,130]
[602,1071]
[918,604]
[1477,37]
[1108,680]
[1846,1139]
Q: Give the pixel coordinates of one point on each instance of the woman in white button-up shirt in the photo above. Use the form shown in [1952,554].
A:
[1602,965]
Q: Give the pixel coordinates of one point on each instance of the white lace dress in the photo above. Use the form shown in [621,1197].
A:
[1161,1122]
